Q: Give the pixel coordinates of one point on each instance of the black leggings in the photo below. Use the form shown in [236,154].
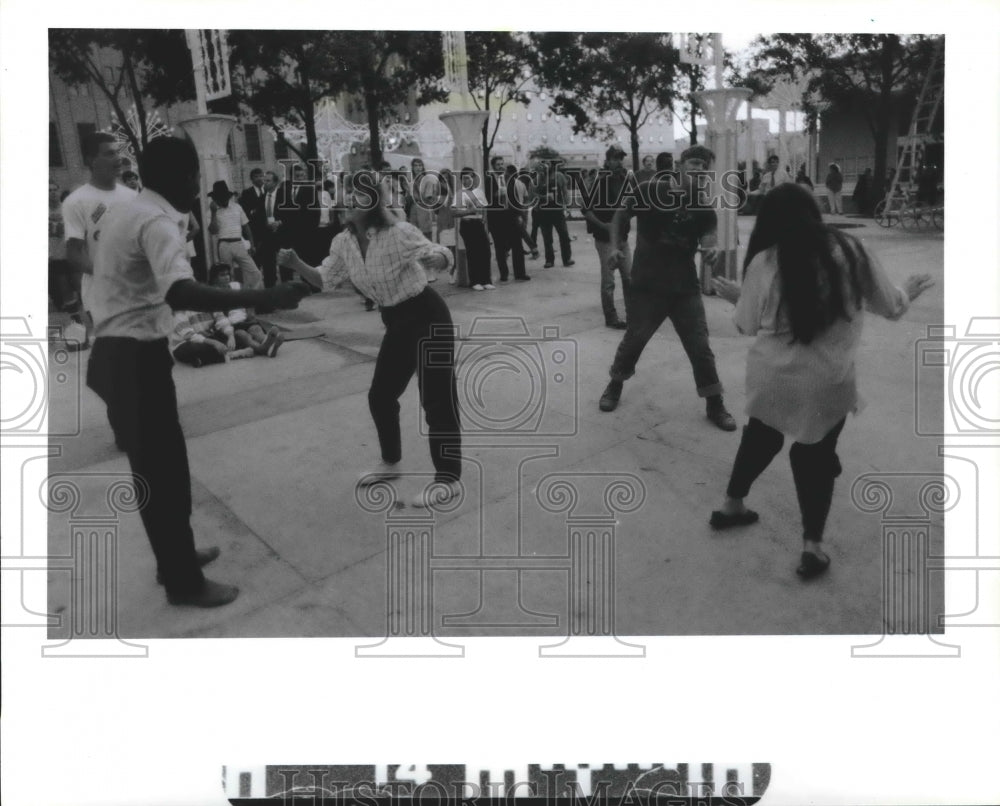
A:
[814,467]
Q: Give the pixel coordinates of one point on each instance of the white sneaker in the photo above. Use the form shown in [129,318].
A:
[383,472]
[478,287]
[437,494]
[490,287]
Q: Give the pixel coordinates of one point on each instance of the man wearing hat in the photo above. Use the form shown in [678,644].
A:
[229,223]
[599,212]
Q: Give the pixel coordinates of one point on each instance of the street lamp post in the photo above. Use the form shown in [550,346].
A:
[720,107]
[209,133]
[466,126]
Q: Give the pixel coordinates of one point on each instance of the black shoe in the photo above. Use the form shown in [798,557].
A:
[812,565]
[210,594]
[534,254]
[548,265]
[720,520]
[722,418]
[369,305]
[522,279]
[205,556]
[616,324]
[569,263]
[611,396]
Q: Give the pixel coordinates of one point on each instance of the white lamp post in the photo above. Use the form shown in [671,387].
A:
[209,133]
[465,123]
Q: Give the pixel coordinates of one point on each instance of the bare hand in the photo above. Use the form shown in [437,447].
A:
[213,206]
[231,343]
[287,295]
[287,258]
[917,284]
[726,289]
[615,259]
[709,256]
[433,261]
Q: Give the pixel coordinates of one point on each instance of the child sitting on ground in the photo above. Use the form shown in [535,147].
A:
[201,338]
[247,330]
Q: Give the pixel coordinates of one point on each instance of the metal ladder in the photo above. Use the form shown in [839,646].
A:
[920,126]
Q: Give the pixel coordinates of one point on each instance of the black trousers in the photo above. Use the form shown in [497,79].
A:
[477,250]
[814,468]
[505,229]
[547,219]
[134,380]
[645,311]
[419,338]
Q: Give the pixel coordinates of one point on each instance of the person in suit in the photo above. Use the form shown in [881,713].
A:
[252,202]
[270,232]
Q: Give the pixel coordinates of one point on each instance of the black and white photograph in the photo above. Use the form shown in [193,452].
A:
[591,364]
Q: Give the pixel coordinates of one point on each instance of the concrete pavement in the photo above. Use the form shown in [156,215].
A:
[276,445]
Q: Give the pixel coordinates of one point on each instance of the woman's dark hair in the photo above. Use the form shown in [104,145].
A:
[813,281]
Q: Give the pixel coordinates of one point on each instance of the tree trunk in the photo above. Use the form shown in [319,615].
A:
[374,145]
[883,117]
[694,120]
[633,129]
[486,136]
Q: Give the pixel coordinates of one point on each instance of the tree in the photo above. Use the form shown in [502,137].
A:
[690,78]
[384,67]
[867,72]
[499,70]
[599,77]
[148,64]
[281,75]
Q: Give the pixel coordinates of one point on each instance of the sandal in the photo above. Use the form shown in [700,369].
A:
[722,520]
[812,565]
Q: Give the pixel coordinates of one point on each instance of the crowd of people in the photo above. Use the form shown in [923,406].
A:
[805,289]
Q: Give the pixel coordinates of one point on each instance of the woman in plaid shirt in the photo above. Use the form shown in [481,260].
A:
[388,260]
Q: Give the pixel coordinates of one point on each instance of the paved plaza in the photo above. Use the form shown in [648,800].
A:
[275,446]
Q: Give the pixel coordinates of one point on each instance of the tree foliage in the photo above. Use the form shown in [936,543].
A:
[601,78]
[279,76]
[148,65]
[386,68]
[869,73]
[499,70]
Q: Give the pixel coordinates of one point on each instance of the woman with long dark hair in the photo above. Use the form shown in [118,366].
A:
[805,289]
[388,260]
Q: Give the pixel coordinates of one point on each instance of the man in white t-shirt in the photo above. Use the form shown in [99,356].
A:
[229,223]
[84,208]
[141,275]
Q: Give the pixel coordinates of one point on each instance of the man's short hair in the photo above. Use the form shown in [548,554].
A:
[256,172]
[773,158]
[166,163]
[271,174]
[698,153]
[664,161]
[91,144]
[217,269]
[614,152]
[493,160]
